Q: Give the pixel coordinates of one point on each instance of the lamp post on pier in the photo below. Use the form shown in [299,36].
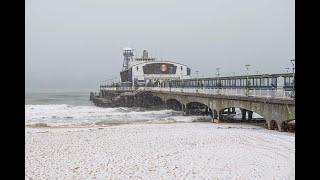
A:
[218,71]
[293,89]
[287,69]
[247,84]
[197,83]
[218,83]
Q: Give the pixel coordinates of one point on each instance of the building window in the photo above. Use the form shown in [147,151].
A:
[137,68]
[181,68]
[188,71]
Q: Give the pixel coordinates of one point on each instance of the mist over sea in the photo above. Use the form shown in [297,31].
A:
[77,98]
[74,109]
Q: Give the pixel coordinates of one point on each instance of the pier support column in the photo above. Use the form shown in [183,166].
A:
[215,114]
[220,115]
[185,110]
[284,126]
[250,115]
[244,113]
[207,111]
[280,128]
[216,117]
[268,124]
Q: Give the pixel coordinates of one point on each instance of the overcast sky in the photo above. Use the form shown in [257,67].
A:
[75,44]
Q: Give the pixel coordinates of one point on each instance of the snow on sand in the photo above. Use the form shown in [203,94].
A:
[160,151]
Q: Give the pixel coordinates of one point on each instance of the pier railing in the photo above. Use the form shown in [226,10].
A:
[110,88]
[267,93]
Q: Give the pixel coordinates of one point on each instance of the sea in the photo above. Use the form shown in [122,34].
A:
[73,108]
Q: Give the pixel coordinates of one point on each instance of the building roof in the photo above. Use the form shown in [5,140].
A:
[127,48]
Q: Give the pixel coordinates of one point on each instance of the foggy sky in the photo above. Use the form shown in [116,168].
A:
[75,44]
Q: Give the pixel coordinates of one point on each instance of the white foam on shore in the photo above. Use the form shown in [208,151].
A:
[70,115]
[160,151]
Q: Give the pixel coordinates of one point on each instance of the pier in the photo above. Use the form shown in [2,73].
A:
[270,95]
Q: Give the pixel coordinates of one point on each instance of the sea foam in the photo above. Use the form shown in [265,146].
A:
[71,115]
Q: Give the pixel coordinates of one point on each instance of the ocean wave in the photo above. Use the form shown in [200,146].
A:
[65,115]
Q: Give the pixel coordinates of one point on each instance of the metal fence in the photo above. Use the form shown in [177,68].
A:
[108,88]
[268,93]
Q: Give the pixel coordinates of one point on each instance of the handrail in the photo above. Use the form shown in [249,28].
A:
[268,93]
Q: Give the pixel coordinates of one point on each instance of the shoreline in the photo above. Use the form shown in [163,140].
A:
[257,125]
[137,123]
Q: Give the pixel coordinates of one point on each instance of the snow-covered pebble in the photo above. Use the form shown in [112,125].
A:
[160,151]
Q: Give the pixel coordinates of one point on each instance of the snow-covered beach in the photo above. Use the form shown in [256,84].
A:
[160,151]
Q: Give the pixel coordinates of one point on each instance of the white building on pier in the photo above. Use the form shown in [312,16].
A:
[147,71]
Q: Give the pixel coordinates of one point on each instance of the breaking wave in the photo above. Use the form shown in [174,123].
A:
[71,115]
